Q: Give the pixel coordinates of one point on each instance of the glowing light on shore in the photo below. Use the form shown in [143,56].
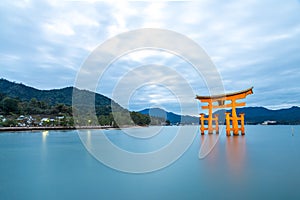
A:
[44,135]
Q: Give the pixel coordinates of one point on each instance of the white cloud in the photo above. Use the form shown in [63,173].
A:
[154,14]
[60,28]
[8,58]
[247,40]
[22,3]
[146,55]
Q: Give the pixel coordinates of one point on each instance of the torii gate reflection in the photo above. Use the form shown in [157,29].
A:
[218,101]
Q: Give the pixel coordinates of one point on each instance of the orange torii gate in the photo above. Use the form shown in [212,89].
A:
[220,100]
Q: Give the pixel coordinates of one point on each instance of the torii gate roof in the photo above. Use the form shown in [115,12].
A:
[242,93]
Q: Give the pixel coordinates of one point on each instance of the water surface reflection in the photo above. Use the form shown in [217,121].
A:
[223,153]
[235,154]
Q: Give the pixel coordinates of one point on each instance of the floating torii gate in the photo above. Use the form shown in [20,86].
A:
[218,101]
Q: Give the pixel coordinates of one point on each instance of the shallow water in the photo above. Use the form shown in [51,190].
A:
[265,163]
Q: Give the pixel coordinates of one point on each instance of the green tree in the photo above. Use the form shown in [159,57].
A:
[104,120]
[9,122]
[9,105]
[168,123]
[62,109]
[140,119]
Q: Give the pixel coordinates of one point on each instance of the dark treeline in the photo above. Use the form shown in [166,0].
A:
[61,114]
[12,106]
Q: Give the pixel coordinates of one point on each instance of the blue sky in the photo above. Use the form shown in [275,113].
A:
[252,43]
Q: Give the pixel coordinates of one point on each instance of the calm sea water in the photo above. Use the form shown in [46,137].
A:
[263,164]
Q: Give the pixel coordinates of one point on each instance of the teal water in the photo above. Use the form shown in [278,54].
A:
[263,164]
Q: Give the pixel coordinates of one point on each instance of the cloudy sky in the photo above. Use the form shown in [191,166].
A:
[252,43]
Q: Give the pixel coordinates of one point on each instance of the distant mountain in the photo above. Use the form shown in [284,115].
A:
[54,96]
[255,115]
[172,117]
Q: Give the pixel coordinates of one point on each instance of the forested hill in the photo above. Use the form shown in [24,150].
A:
[52,97]
[253,115]
[17,99]
[172,117]
[257,115]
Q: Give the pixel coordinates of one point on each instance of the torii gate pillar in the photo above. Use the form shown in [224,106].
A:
[232,122]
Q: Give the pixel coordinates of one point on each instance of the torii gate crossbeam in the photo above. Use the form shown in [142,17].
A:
[218,101]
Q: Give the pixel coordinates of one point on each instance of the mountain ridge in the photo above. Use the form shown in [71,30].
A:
[253,115]
[172,117]
[55,96]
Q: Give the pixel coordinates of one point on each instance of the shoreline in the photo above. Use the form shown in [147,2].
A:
[47,128]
